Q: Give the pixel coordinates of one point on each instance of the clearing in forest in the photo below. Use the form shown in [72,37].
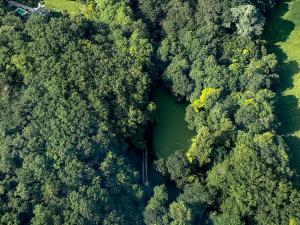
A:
[283,35]
[72,7]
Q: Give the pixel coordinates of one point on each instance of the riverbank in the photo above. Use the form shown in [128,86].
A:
[283,35]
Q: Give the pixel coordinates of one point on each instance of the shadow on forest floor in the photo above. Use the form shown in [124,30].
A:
[278,31]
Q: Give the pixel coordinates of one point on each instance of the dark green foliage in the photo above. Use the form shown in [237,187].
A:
[214,47]
[255,175]
[177,166]
[74,98]
[153,10]
[265,5]
[156,212]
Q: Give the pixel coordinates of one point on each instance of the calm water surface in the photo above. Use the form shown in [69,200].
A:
[170,132]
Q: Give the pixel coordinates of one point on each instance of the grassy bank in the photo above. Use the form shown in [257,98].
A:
[283,35]
[72,7]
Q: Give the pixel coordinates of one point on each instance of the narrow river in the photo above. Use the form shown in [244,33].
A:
[170,131]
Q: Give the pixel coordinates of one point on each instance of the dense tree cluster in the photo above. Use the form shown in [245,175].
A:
[74,97]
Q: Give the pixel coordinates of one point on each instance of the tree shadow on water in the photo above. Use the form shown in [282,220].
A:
[278,30]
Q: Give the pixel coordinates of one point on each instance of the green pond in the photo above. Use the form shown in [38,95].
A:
[170,131]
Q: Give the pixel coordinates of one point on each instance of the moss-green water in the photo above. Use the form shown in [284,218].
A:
[283,35]
[170,132]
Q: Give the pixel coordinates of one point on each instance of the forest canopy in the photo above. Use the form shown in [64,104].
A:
[76,112]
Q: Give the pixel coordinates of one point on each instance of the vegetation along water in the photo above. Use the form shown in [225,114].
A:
[76,111]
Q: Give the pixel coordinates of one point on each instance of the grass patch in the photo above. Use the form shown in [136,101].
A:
[72,7]
[283,35]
